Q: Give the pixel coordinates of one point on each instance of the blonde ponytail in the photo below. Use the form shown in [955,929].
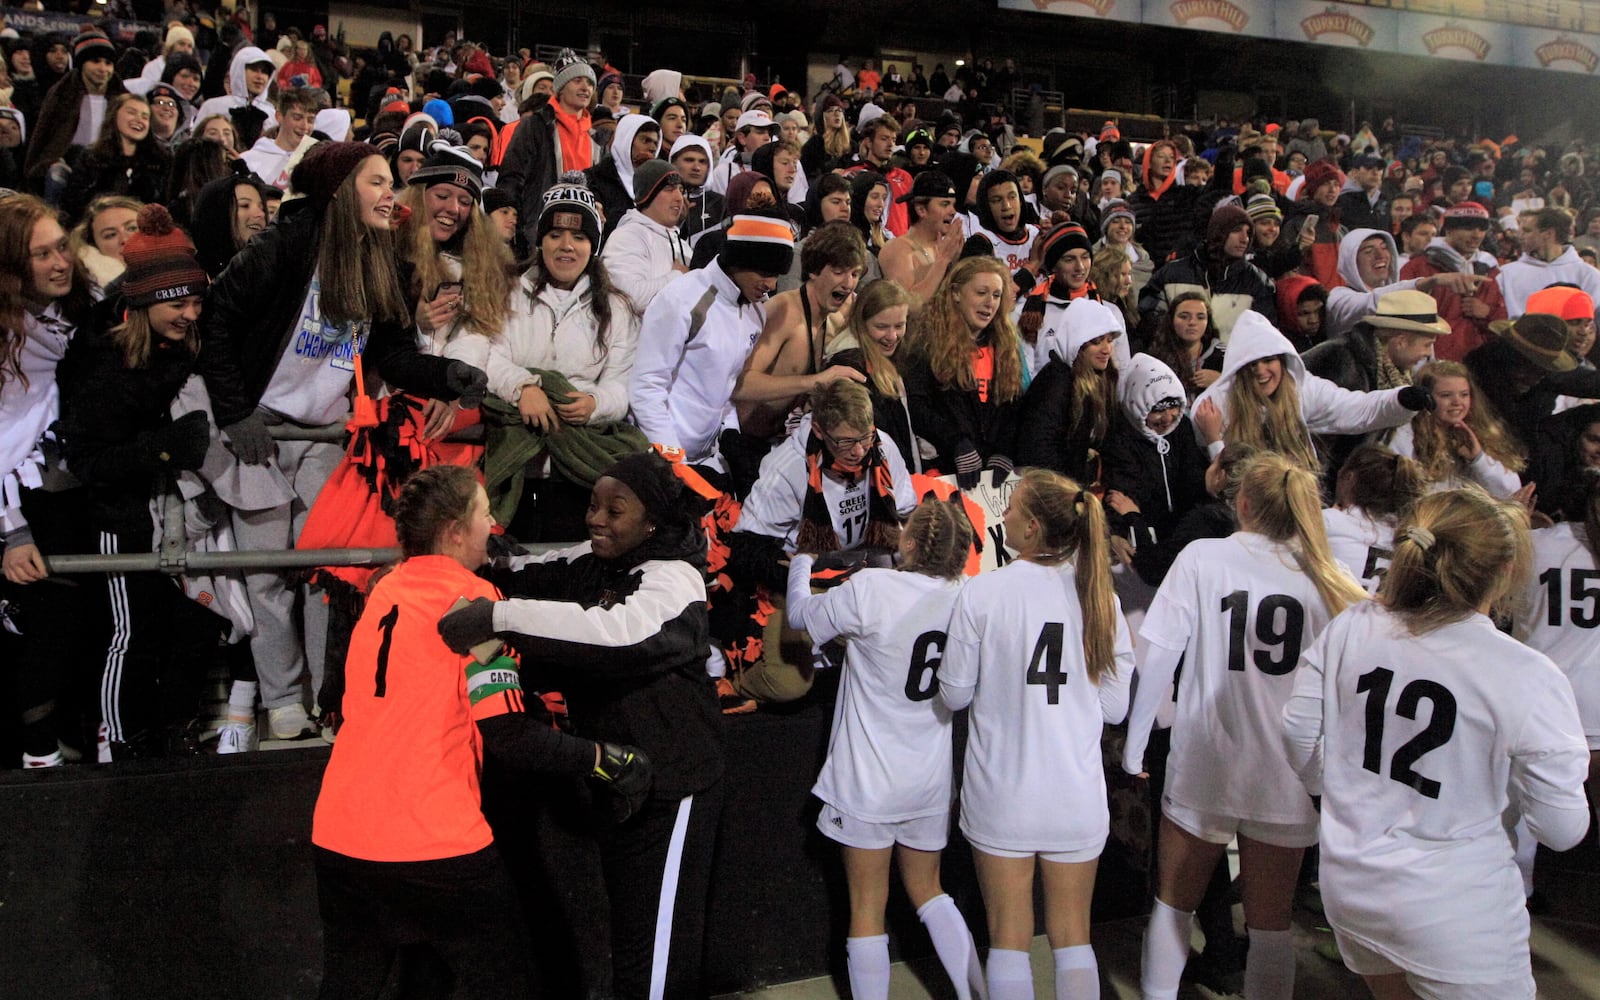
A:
[1455,552]
[1281,501]
[1073,523]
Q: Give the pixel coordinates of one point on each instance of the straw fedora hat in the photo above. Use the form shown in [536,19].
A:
[1408,310]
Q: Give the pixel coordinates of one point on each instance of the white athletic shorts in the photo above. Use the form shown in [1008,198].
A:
[1077,857]
[925,833]
[1215,828]
[1363,961]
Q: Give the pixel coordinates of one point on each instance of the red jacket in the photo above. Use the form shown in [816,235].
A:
[1466,333]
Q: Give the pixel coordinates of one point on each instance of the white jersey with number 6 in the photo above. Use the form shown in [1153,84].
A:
[1563,615]
[1363,543]
[1034,779]
[1241,611]
[1427,743]
[889,755]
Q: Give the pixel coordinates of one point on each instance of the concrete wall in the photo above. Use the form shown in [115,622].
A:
[363,23]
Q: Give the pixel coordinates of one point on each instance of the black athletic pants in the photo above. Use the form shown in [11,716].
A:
[463,908]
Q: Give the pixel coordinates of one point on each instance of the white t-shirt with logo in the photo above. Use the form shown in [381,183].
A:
[311,384]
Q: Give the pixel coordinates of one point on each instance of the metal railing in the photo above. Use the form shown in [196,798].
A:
[173,557]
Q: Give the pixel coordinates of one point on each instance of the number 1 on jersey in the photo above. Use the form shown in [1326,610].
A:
[380,685]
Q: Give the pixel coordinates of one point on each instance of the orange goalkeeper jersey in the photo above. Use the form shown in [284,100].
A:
[403,781]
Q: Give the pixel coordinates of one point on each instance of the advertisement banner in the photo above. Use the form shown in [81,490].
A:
[1454,38]
[1565,52]
[1131,11]
[41,22]
[1323,23]
[1228,17]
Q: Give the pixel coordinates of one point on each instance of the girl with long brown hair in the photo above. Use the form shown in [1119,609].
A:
[1237,612]
[285,325]
[44,298]
[964,374]
[1187,341]
[870,344]
[1034,794]
[126,159]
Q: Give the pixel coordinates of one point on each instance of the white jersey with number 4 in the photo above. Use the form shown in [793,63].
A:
[1429,746]
[1363,543]
[889,755]
[1034,779]
[1562,620]
[1241,611]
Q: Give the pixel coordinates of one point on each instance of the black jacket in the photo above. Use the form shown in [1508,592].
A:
[1051,439]
[142,176]
[954,420]
[1177,220]
[1355,212]
[608,190]
[529,167]
[250,317]
[1349,361]
[1133,464]
[653,694]
[1490,366]
[112,420]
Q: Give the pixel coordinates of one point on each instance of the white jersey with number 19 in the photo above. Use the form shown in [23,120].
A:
[1034,780]
[1241,611]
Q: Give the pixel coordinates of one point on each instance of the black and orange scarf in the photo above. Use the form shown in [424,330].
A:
[816,534]
[1048,287]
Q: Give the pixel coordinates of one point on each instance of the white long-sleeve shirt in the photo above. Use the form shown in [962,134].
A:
[693,344]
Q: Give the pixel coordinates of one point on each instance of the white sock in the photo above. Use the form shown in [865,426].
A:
[1166,951]
[1269,967]
[242,702]
[867,959]
[1077,973]
[952,941]
[1010,975]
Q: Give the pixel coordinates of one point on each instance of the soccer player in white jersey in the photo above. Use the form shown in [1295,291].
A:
[1034,792]
[1238,611]
[1563,606]
[885,786]
[1374,487]
[1423,726]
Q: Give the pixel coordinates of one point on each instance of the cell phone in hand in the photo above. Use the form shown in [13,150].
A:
[1310,223]
[446,286]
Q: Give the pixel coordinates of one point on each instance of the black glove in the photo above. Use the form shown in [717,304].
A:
[463,629]
[628,773]
[249,440]
[467,382]
[1001,470]
[969,464]
[1417,398]
[182,444]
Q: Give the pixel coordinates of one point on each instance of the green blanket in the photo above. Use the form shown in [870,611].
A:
[579,453]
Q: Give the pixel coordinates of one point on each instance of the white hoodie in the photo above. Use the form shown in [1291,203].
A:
[1145,382]
[622,148]
[1324,407]
[236,86]
[639,256]
[1067,326]
[1348,305]
[1527,274]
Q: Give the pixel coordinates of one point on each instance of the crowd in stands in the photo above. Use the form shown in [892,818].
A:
[830,306]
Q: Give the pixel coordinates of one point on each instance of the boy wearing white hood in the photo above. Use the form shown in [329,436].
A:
[634,143]
[1068,408]
[1266,398]
[1369,263]
[250,74]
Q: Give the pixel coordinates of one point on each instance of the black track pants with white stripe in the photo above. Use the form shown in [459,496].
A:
[658,874]
[141,614]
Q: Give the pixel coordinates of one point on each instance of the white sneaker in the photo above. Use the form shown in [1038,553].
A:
[51,759]
[236,737]
[102,745]
[290,722]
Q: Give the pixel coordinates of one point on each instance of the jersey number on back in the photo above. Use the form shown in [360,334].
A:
[1285,635]
[380,686]
[1045,667]
[926,654]
[1377,563]
[1375,685]
[1583,588]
